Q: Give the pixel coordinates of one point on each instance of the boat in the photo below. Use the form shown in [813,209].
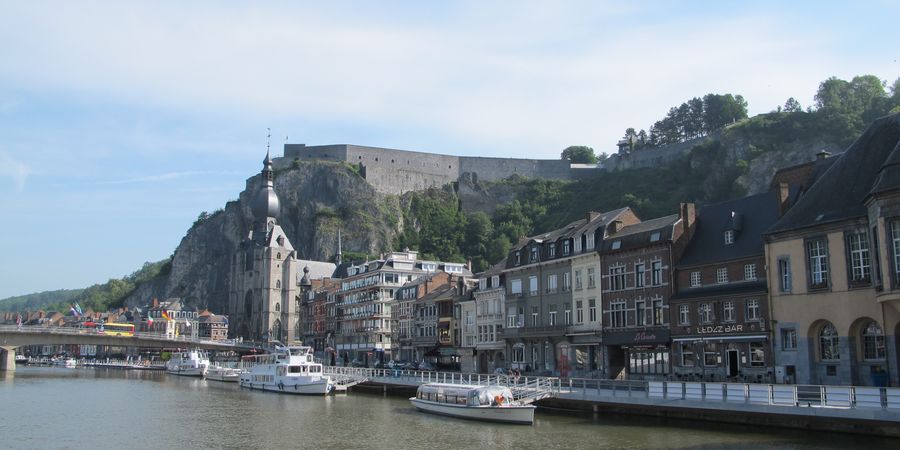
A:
[222,373]
[70,363]
[21,359]
[474,402]
[191,363]
[288,370]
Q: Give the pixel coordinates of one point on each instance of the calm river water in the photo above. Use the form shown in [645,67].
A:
[90,408]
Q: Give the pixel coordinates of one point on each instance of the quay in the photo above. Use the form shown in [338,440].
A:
[873,411]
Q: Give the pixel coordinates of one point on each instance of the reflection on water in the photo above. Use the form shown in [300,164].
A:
[97,408]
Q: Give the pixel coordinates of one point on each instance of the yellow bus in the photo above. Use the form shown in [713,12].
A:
[112,328]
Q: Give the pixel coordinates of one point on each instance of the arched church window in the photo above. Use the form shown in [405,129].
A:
[248,304]
[277,284]
[278,255]
[278,307]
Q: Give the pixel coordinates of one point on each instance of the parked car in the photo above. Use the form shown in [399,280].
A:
[397,364]
[427,366]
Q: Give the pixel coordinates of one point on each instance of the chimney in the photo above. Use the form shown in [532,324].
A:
[689,216]
[784,195]
[591,215]
[469,264]
[822,155]
[614,227]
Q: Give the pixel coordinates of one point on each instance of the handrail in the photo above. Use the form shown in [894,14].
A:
[73,331]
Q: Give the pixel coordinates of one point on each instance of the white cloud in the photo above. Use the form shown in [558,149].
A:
[15,170]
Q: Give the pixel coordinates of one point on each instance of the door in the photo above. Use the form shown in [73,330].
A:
[733,364]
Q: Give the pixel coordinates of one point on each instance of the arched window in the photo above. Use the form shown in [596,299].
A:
[276,331]
[248,304]
[829,344]
[873,341]
[278,307]
[277,284]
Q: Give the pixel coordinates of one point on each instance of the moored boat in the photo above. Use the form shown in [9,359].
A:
[485,403]
[222,373]
[21,359]
[191,363]
[288,370]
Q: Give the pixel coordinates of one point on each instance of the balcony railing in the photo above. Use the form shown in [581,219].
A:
[522,332]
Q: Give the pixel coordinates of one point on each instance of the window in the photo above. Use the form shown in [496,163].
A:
[551,283]
[729,237]
[817,258]
[579,312]
[656,278]
[515,286]
[654,236]
[695,279]
[533,285]
[495,281]
[639,280]
[728,311]
[566,247]
[616,245]
[757,355]
[590,242]
[534,253]
[552,318]
[617,314]
[534,316]
[687,355]
[552,249]
[511,321]
[858,252]
[567,281]
[640,313]
[784,274]
[482,284]
[722,275]
[577,280]
[710,354]
[829,344]
[684,315]
[706,312]
[617,278]
[568,315]
[592,310]
[518,355]
[752,309]
[750,272]
[789,339]
[873,342]
[658,316]
[518,257]
[895,240]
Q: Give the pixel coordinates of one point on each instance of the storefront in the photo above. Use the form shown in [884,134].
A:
[582,357]
[643,355]
[722,357]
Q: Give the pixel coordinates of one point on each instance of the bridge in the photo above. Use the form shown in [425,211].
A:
[12,337]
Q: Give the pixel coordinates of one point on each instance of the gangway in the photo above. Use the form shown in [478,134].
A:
[343,379]
[534,389]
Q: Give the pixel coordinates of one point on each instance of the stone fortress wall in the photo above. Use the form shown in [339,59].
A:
[398,171]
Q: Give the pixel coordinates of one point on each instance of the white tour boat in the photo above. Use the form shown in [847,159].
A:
[222,373]
[488,403]
[289,370]
[191,363]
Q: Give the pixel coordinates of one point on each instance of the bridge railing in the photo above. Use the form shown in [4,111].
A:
[73,331]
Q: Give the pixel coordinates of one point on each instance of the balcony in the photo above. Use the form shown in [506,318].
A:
[529,332]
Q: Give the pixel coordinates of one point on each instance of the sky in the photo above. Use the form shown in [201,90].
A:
[120,122]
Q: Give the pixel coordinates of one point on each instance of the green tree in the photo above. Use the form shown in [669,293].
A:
[792,105]
[579,154]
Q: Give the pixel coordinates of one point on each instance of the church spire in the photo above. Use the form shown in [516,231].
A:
[265,205]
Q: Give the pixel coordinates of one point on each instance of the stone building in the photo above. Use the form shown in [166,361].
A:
[482,322]
[405,315]
[719,315]
[637,263]
[539,297]
[833,263]
[263,303]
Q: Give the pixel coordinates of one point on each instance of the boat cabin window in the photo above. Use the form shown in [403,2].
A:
[297,369]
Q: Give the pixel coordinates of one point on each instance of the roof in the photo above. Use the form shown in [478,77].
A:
[839,193]
[749,217]
[888,178]
[638,235]
[576,228]
[317,269]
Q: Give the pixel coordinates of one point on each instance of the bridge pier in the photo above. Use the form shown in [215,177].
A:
[7,360]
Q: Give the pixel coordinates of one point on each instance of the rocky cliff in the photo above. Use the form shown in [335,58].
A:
[317,198]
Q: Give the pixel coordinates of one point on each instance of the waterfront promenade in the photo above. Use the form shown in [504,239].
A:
[855,409]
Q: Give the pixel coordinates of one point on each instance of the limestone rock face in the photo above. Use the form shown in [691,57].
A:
[316,199]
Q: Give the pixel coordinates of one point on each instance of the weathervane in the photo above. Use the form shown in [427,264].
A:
[268,138]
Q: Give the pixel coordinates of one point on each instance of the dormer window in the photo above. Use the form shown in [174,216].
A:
[654,237]
[566,248]
[552,249]
[616,245]
[534,253]
[729,237]
[518,257]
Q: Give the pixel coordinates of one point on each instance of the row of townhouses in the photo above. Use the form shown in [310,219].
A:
[800,284]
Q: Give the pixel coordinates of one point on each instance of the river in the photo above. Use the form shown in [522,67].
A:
[50,407]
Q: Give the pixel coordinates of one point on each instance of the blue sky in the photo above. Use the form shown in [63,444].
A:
[121,121]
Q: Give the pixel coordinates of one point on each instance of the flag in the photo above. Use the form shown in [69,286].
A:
[186,322]
[165,316]
[78,308]
[19,320]
[74,312]
[149,320]
[226,319]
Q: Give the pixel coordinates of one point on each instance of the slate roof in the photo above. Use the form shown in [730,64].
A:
[840,191]
[575,228]
[638,235]
[317,269]
[752,216]
[888,178]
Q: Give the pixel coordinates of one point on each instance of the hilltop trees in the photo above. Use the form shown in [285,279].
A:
[694,118]
[579,154]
